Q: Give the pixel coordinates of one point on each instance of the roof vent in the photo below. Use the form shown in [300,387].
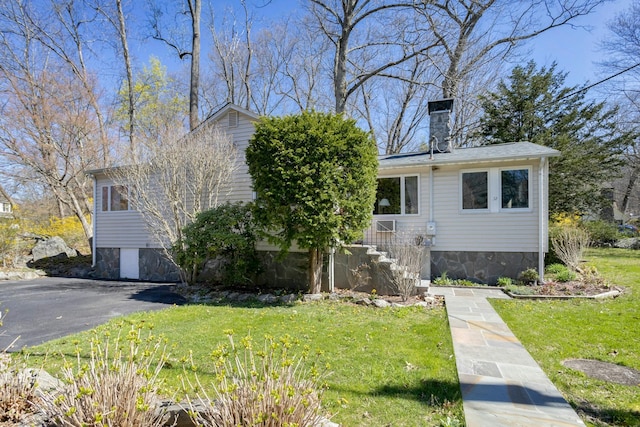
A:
[233,119]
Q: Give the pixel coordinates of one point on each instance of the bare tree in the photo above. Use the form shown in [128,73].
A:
[369,38]
[477,35]
[178,181]
[174,35]
[48,134]
[623,51]
[113,12]
[51,126]
[395,108]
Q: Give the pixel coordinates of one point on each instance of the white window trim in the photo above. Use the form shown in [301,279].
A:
[494,191]
[402,195]
[530,189]
[490,192]
[109,187]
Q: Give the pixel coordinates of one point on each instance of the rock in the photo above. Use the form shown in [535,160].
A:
[422,304]
[362,301]
[289,298]
[630,243]
[244,297]
[312,297]
[44,380]
[267,299]
[21,275]
[52,247]
[397,305]
[327,423]
[380,303]
[334,296]
[233,296]
[179,412]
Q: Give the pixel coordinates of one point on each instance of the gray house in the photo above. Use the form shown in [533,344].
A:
[6,204]
[481,213]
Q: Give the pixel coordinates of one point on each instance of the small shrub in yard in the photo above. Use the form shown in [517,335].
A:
[529,276]
[601,233]
[504,281]
[443,280]
[569,244]
[561,273]
[267,387]
[116,386]
[18,392]
[405,276]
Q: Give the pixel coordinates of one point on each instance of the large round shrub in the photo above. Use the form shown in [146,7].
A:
[225,233]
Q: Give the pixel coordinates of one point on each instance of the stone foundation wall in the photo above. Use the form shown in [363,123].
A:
[289,273]
[156,267]
[481,267]
[356,270]
[107,263]
[152,263]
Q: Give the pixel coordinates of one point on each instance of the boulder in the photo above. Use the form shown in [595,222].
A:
[630,243]
[52,247]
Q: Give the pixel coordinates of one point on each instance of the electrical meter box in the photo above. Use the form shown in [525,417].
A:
[431,228]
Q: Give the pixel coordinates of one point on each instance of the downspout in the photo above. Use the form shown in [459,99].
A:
[95,211]
[431,186]
[541,219]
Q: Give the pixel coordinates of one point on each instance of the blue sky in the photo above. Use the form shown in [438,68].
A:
[577,49]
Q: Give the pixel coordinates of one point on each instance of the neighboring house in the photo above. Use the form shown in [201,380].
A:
[481,213]
[6,204]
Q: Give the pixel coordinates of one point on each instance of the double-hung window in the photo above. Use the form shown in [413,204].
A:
[397,195]
[495,190]
[115,198]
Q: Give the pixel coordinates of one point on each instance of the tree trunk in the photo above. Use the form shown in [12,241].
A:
[195,6]
[122,30]
[315,271]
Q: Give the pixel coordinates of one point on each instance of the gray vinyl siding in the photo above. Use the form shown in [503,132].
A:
[127,229]
[240,189]
[513,231]
[119,229]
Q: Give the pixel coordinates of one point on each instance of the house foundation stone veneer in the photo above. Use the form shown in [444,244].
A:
[156,267]
[481,267]
[107,263]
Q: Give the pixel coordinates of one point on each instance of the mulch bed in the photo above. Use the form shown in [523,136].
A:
[574,288]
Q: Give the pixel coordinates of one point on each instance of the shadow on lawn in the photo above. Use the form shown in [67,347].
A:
[607,416]
[433,393]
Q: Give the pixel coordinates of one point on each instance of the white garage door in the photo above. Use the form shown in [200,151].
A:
[129,268]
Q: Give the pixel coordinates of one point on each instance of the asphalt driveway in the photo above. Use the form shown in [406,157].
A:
[43,309]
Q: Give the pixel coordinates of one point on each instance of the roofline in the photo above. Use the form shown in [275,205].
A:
[435,161]
[226,107]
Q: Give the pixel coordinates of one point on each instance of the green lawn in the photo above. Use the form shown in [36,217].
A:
[388,366]
[607,330]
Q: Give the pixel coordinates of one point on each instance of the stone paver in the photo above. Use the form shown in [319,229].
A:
[501,384]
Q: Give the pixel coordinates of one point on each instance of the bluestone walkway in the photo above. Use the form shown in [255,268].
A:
[501,384]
